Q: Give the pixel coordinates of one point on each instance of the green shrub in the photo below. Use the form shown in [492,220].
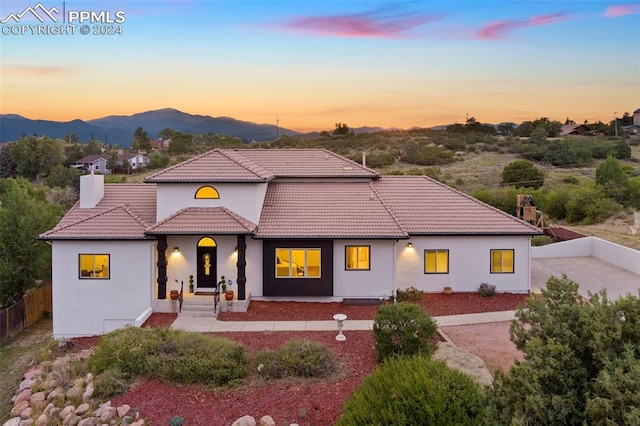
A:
[171,355]
[415,391]
[176,421]
[110,382]
[297,358]
[411,294]
[487,290]
[403,329]
[541,240]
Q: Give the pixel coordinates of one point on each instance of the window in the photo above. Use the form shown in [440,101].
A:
[297,263]
[436,261]
[502,261]
[94,266]
[207,192]
[357,258]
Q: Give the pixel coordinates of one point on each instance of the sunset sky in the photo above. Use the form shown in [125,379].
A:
[311,64]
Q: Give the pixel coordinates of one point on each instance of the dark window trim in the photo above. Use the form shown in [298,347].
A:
[80,277]
[356,269]
[513,259]
[435,251]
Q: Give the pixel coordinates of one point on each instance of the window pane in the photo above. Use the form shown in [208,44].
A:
[297,262]
[507,261]
[207,192]
[363,257]
[283,263]
[352,257]
[94,266]
[442,262]
[313,262]
[496,261]
[430,261]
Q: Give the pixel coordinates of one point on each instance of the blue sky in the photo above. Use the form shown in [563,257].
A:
[312,64]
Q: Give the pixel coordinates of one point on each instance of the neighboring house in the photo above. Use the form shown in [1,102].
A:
[95,162]
[282,224]
[636,117]
[574,129]
[158,144]
[133,161]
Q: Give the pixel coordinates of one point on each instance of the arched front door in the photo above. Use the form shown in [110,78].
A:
[207,261]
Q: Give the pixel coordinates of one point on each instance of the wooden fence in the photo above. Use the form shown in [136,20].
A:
[27,311]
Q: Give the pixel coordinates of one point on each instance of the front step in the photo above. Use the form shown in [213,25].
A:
[199,309]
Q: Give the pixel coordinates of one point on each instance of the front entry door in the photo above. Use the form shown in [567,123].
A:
[207,267]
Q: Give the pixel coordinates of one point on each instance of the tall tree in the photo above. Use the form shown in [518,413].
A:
[35,156]
[24,214]
[7,166]
[141,140]
[93,147]
[612,177]
[341,129]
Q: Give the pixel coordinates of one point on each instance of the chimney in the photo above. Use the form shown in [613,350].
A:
[91,190]
[364,158]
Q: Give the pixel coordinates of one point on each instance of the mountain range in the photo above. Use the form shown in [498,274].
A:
[120,128]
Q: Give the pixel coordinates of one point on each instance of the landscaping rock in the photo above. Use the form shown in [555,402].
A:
[19,408]
[28,422]
[266,421]
[89,421]
[12,422]
[42,420]
[25,395]
[37,401]
[245,421]
[88,392]
[56,394]
[32,374]
[25,384]
[75,392]
[83,408]
[464,361]
[66,411]
[123,410]
[138,423]
[108,414]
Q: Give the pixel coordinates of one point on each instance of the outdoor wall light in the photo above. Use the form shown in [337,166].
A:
[409,245]
[236,249]
[176,249]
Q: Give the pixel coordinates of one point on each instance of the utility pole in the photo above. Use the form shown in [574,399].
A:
[615,124]
[277,128]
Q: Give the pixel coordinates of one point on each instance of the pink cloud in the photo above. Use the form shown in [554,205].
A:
[360,25]
[34,70]
[501,29]
[620,10]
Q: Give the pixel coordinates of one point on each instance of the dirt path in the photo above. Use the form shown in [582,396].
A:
[17,354]
[488,341]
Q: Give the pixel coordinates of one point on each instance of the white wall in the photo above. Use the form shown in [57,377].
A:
[244,199]
[86,307]
[181,265]
[615,254]
[469,263]
[378,282]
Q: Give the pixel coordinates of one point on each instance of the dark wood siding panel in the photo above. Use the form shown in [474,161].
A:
[273,286]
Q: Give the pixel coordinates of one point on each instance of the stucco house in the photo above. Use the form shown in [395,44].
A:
[282,224]
[95,162]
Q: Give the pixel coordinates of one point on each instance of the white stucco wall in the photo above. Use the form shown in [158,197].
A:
[181,265]
[469,263]
[244,199]
[87,307]
[615,254]
[378,282]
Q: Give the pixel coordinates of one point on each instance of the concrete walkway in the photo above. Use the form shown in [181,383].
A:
[208,324]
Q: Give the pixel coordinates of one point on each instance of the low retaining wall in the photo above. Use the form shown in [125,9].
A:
[614,254]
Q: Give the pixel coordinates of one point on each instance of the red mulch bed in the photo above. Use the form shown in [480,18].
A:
[436,304]
[306,402]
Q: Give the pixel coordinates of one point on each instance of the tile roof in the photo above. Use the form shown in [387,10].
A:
[91,158]
[213,166]
[204,220]
[424,206]
[306,163]
[259,165]
[125,211]
[325,210]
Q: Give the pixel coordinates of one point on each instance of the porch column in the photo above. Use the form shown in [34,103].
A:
[242,265]
[162,267]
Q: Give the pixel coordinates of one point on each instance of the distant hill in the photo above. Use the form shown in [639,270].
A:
[120,128]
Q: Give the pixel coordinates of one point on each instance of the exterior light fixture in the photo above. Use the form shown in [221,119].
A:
[409,245]
[236,249]
[176,249]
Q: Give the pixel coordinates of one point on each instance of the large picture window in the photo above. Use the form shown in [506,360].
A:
[502,261]
[94,266]
[297,263]
[357,258]
[436,261]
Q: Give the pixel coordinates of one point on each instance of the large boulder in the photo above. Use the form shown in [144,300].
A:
[464,361]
